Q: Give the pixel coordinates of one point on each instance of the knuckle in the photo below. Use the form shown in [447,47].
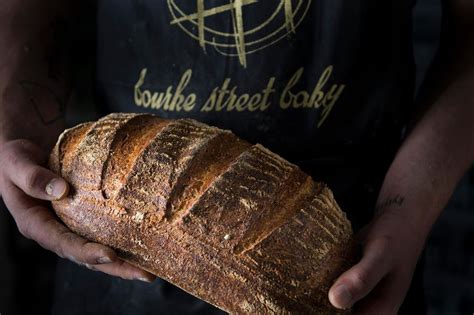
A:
[12,148]
[32,178]
[16,150]
[20,144]
[59,250]
[24,229]
[69,238]
[360,279]
[8,146]
[10,156]
[69,248]
[56,245]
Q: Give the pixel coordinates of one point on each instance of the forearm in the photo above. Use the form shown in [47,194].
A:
[34,74]
[436,153]
[417,186]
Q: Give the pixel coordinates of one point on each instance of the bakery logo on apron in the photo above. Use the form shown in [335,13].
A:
[251,27]
[246,36]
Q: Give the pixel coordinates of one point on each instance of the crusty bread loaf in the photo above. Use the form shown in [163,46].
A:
[229,222]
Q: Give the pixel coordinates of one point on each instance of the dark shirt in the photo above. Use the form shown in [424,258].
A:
[327,84]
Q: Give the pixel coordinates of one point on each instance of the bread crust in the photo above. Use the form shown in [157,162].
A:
[229,222]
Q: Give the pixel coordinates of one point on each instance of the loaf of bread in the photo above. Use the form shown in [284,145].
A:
[227,221]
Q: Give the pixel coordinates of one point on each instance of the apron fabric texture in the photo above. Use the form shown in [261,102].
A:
[326,84]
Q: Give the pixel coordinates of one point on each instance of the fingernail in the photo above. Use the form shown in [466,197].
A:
[342,296]
[56,188]
[104,260]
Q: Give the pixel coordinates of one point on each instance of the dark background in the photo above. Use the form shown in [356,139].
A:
[27,271]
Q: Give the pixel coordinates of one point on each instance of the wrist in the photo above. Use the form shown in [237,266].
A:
[414,212]
[399,230]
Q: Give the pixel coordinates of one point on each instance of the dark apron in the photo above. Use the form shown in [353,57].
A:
[327,84]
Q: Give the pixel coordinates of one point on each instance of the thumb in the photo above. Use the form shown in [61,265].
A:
[359,281]
[35,180]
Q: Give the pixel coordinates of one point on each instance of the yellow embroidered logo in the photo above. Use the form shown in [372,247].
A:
[246,36]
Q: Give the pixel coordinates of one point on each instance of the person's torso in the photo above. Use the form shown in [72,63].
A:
[324,83]
[284,73]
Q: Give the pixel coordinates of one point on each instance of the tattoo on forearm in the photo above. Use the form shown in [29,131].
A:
[47,105]
[389,202]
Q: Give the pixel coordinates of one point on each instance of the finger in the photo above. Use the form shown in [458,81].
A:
[39,223]
[358,281]
[34,180]
[124,270]
[386,298]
